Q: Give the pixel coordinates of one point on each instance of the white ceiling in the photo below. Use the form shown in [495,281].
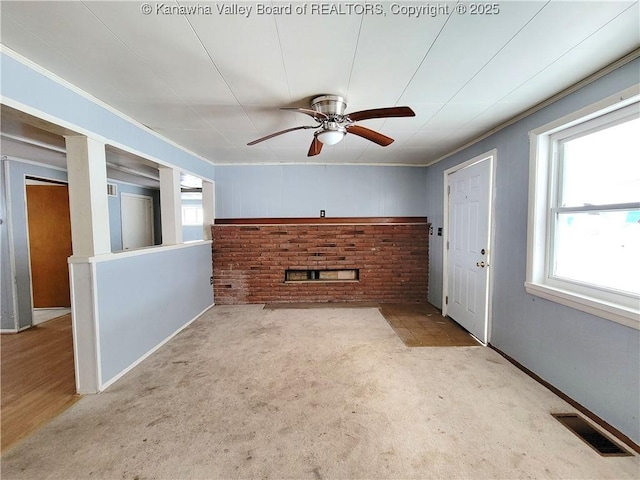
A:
[214,82]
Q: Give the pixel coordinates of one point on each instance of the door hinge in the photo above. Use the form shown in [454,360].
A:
[448,189]
[446,300]
[447,244]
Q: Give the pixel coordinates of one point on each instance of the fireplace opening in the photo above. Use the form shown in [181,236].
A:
[344,275]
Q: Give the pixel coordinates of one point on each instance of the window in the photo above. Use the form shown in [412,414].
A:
[584,210]
[191,215]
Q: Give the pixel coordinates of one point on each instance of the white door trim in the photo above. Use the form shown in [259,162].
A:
[490,156]
[35,180]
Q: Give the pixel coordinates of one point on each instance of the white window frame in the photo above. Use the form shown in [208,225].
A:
[617,307]
[198,213]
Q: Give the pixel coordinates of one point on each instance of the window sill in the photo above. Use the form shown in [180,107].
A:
[616,313]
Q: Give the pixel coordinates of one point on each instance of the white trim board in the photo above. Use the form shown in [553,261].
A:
[11,244]
[104,386]
[86,337]
[108,257]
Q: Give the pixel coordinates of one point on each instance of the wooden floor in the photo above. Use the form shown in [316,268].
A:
[38,379]
[422,325]
[417,325]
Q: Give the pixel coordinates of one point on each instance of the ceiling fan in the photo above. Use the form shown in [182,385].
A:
[333,124]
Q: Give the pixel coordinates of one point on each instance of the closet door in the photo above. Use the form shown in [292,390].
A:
[49,228]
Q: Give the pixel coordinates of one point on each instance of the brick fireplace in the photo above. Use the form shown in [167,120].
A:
[320,260]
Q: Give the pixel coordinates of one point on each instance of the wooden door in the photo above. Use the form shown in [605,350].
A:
[49,227]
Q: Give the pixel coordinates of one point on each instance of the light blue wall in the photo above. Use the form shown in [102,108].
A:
[594,361]
[191,233]
[15,182]
[302,191]
[144,299]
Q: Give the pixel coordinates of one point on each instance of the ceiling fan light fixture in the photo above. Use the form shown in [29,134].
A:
[330,137]
[332,124]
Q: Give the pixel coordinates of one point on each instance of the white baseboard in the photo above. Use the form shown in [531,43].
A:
[56,312]
[117,377]
[14,330]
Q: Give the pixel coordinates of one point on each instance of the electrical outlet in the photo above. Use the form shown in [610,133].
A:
[321,213]
[211,280]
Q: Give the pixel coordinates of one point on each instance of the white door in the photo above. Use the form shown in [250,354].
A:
[469,200]
[137,221]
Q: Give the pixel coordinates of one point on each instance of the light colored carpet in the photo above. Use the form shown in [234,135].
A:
[321,393]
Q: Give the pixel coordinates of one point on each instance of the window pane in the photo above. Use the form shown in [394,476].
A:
[603,167]
[191,215]
[601,248]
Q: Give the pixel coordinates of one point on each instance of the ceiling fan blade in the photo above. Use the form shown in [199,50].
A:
[369,134]
[315,148]
[312,113]
[280,133]
[382,113]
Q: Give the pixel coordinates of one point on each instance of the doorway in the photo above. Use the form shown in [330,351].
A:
[137,221]
[49,239]
[467,252]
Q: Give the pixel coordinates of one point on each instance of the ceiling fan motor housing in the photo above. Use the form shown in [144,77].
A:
[329,105]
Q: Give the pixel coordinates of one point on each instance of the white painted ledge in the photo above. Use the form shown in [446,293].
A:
[107,257]
[616,313]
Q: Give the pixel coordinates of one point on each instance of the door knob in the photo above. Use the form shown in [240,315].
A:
[480,264]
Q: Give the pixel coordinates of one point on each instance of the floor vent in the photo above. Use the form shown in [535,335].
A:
[590,435]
